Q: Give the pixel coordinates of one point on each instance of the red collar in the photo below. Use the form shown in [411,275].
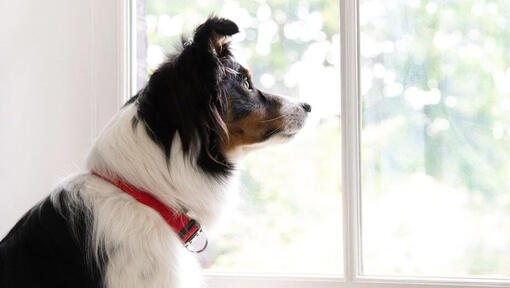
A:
[187,229]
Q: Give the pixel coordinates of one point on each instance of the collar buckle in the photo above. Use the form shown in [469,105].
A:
[193,237]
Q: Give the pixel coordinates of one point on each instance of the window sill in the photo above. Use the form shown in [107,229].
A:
[227,280]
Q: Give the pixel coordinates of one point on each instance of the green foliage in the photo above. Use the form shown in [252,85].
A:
[447,119]
[467,79]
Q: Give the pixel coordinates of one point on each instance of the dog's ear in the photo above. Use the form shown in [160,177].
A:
[214,34]
[210,44]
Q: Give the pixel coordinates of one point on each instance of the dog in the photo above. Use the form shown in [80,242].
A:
[158,176]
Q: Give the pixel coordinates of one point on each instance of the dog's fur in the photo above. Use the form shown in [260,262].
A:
[179,138]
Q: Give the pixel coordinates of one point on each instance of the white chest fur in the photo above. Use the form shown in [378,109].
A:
[142,249]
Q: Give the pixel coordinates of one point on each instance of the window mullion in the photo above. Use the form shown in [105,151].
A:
[350,137]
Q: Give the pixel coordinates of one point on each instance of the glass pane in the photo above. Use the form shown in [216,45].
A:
[435,82]
[289,220]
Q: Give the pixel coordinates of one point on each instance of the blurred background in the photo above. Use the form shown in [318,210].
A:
[435,85]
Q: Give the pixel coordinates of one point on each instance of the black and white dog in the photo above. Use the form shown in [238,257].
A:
[162,168]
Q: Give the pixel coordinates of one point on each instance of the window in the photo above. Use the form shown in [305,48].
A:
[288,192]
[435,137]
[425,141]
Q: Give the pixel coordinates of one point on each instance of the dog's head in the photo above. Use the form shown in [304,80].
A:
[208,98]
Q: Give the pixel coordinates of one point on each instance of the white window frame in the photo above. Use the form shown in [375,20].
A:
[351,178]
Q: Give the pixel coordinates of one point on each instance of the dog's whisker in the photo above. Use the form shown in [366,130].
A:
[276,130]
[273,119]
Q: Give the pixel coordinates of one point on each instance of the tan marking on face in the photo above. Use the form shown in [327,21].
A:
[251,129]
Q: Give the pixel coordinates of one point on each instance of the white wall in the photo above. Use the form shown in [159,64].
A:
[61,79]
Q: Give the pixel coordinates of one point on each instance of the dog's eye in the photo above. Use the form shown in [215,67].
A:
[246,84]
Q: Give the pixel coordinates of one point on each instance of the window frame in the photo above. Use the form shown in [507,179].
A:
[351,176]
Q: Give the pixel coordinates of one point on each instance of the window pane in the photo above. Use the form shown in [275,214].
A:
[289,220]
[435,85]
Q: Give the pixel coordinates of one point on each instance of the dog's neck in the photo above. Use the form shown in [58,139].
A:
[126,151]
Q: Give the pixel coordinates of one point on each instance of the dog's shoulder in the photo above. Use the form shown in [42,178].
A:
[48,246]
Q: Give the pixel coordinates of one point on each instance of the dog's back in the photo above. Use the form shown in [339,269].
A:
[42,250]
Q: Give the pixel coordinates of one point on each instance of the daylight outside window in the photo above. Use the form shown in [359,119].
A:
[291,199]
[435,88]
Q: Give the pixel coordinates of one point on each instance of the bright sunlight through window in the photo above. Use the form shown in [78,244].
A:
[435,86]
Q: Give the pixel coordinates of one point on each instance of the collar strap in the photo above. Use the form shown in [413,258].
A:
[187,229]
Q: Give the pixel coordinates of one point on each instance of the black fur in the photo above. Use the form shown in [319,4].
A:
[185,95]
[48,248]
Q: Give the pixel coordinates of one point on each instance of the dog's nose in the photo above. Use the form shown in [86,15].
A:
[306,107]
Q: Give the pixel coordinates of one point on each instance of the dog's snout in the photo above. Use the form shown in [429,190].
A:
[306,107]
